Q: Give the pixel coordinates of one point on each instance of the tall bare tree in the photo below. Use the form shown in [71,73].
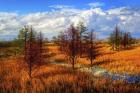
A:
[92,49]
[62,42]
[69,44]
[33,49]
[82,29]
[115,38]
[127,40]
[120,40]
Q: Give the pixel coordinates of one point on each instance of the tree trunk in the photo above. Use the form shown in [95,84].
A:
[73,63]
[81,49]
[30,70]
[91,61]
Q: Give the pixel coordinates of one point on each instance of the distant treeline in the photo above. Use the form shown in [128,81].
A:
[118,39]
[8,44]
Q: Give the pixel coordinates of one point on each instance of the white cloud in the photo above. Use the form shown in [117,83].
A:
[9,23]
[51,23]
[60,6]
[96,4]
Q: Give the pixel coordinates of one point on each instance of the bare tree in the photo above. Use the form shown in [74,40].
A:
[92,49]
[127,40]
[62,42]
[82,29]
[73,44]
[40,48]
[120,40]
[69,44]
[33,49]
[115,39]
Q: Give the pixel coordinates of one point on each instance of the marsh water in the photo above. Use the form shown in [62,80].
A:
[98,71]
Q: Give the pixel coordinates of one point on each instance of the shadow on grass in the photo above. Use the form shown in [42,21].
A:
[58,71]
[107,61]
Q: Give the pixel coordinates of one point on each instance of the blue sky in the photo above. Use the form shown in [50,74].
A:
[28,6]
[54,16]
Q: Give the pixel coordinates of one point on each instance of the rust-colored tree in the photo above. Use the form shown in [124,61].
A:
[81,29]
[115,39]
[33,49]
[92,48]
[70,44]
[63,42]
[120,40]
[127,40]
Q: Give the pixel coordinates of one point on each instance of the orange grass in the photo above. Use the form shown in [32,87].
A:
[56,79]
[51,78]
[126,61]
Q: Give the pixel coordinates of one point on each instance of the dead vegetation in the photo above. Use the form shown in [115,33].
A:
[57,79]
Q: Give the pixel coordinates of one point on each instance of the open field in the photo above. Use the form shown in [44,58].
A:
[56,79]
[126,61]
[53,78]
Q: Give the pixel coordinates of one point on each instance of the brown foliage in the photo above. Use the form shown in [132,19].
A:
[92,49]
[70,44]
[33,49]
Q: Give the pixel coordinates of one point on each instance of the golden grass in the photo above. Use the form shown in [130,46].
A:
[56,79]
[51,78]
[126,61]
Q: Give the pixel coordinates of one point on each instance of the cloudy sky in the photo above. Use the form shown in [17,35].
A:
[54,16]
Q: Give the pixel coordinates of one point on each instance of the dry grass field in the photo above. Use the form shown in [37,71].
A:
[52,78]
[125,61]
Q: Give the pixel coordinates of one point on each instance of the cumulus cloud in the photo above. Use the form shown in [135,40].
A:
[51,23]
[9,25]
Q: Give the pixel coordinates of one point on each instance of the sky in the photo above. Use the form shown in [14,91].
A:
[28,6]
[54,16]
